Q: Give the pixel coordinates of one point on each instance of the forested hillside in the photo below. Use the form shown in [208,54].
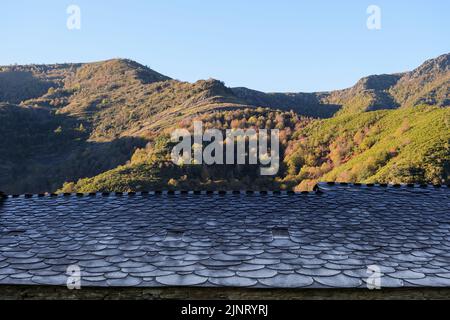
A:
[107,123]
[410,145]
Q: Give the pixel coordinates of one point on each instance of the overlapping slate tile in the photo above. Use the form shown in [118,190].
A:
[228,240]
[288,281]
[181,280]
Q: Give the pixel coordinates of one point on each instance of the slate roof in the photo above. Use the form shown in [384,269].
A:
[323,239]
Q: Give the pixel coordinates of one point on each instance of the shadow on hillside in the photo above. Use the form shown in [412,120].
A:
[17,86]
[42,151]
[46,173]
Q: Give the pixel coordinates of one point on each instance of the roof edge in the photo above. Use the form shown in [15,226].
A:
[316,190]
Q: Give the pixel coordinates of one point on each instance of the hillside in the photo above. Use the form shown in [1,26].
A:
[307,104]
[20,83]
[388,146]
[151,167]
[408,145]
[46,149]
[65,122]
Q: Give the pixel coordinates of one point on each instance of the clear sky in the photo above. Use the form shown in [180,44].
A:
[282,45]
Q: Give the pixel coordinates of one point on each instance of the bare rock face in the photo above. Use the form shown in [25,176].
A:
[439,65]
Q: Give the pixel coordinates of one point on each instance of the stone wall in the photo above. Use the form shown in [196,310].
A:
[43,292]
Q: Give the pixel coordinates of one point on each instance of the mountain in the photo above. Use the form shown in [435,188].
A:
[428,84]
[117,98]
[63,122]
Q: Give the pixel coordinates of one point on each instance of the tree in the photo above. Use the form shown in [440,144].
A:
[81,128]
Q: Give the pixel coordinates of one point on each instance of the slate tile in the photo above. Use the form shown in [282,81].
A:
[406,275]
[219,273]
[22,276]
[234,281]
[29,266]
[124,282]
[430,281]
[115,275]
[227,257]
[288,281]
[179,280]
[217,263]
[143,268]
[246,267]
[317,272]
[107,252]
[56,280]
[148,274]
[18,254]
[94,263]
[24,260]
[92,280]
[339,281]
[261,261]
[258,274]
[388,282]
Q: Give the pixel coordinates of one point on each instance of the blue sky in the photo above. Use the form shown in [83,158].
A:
[282,45]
